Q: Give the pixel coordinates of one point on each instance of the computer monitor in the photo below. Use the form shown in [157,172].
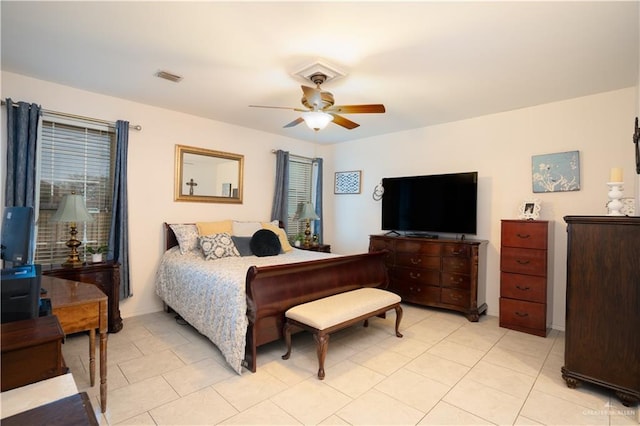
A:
[17,234]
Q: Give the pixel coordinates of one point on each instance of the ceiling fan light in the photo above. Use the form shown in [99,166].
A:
[317,120]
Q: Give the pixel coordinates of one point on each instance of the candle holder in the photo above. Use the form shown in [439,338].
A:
[615,194]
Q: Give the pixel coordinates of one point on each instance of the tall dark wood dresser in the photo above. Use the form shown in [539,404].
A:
[602,341]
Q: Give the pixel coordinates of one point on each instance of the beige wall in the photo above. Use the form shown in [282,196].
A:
[151,169]
[499,147]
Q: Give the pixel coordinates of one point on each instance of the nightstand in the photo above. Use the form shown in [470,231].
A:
[104,275]
[325,248]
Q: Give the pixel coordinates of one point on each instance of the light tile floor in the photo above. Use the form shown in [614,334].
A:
[444,371]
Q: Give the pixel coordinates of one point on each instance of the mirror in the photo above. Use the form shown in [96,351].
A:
[208,176]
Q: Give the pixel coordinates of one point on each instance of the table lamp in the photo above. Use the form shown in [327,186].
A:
[72,210]
[307,212]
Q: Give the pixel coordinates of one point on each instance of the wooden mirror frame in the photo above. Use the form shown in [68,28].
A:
[235,194]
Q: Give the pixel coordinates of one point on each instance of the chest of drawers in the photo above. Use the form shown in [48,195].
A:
[442,273]
[524,275]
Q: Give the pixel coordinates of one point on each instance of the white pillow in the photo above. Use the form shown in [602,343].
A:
[245,229]
[187,236]
[218,246]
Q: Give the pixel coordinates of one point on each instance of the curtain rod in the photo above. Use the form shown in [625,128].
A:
[80,117]
[273,151]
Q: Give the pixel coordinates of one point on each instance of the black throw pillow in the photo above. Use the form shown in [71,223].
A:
[265,243]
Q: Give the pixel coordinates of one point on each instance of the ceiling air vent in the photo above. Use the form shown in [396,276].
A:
[168,76]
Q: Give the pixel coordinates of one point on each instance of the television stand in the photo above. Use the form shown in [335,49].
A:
[442,273]
[392,233]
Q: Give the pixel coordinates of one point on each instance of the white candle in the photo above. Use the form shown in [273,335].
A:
[616,175]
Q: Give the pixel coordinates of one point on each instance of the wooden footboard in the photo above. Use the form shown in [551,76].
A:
[271,290]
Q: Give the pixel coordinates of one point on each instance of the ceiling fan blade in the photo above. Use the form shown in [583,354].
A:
[278,107]
[341,121]
[357,109]
[294,122]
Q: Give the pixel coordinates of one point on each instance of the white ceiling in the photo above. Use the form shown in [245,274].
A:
[427,62]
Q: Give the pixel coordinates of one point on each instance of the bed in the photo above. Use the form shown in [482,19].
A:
[239,302]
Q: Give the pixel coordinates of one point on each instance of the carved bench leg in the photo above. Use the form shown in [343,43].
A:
[398,319]
[287,339]
[322,345]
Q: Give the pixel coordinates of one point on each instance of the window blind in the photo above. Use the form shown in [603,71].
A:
[300,171]
[74,157]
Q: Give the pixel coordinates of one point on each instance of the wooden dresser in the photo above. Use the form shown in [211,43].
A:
[104,275]
[443,273]
[602,337]
[525,299]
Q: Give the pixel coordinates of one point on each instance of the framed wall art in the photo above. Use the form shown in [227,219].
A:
[556,172]
[347,182]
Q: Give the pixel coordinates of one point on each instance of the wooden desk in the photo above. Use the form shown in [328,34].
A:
[82,307]
[31,351]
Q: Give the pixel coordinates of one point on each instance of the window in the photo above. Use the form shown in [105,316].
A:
[300,188]
[74,155]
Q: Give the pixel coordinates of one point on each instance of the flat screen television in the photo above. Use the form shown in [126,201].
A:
[444,203]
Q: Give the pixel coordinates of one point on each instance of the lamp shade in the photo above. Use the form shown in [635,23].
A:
[317,120]
[306,211]
[72,209]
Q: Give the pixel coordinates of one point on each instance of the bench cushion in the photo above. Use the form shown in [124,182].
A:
[329,311]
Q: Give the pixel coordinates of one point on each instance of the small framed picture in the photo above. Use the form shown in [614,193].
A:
[529,209]
[347,182]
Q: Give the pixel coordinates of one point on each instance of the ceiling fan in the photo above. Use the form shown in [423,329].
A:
[321,109]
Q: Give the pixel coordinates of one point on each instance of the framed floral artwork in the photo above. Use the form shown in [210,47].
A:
[556,172]
[347,182]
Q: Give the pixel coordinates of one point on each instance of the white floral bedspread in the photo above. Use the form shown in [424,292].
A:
[210,294]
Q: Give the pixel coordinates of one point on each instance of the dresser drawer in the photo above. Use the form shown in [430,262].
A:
[456,250]
[418,260]
[455,297]
[524,287]
[523,314]
[418,246]
[525,234]
[462,281]
[456,264]
[416,293]
[523,261]
[415,276]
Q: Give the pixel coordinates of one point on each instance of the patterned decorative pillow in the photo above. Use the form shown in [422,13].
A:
[218,246]
[187,236]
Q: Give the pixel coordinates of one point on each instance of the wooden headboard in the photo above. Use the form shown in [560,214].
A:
[170,239]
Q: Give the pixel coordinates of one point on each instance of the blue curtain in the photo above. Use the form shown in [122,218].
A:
[317,224]
[22,131]
[280,207]
[119,232]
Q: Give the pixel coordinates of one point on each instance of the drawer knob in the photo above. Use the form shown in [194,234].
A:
[523,288]
[523,235]
[414,275]
[522,262]
[522,314]
[416,261]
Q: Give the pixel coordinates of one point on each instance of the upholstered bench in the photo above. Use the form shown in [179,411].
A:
[327,315]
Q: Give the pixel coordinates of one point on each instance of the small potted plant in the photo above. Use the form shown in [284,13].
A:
[298,239]
[96,253]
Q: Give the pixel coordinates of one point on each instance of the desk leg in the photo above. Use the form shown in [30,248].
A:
[103,370]
[92,356]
